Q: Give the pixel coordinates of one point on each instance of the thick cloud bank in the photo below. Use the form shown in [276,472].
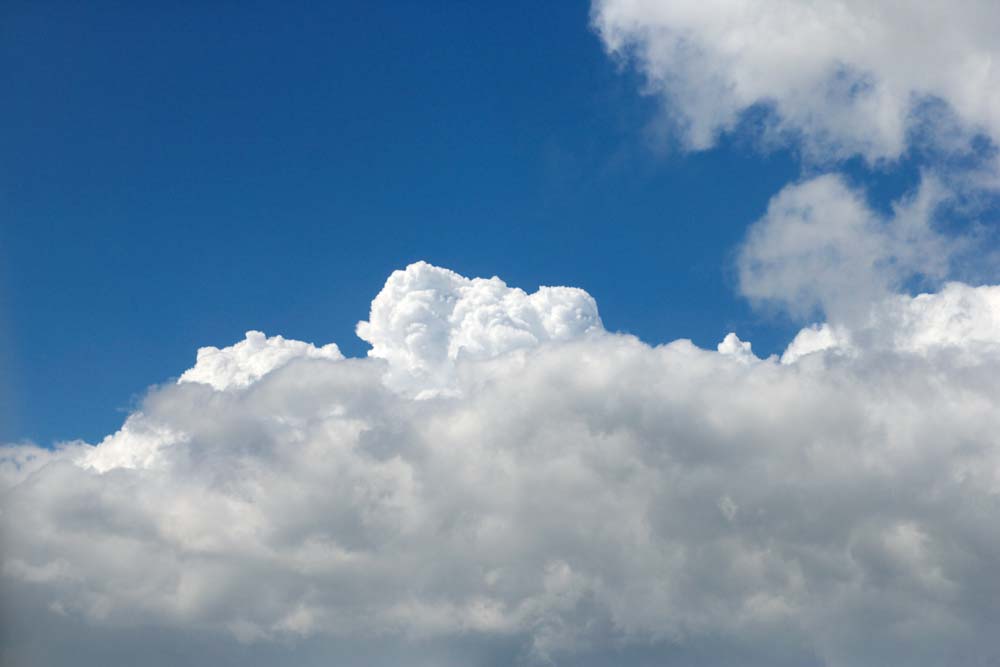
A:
[574,497]
[846,76]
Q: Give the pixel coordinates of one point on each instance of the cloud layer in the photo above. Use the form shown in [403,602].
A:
[503,480]
[846,77]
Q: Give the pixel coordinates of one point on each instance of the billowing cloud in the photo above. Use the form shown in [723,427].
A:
[845,77]
[960,320]
[245,362]
[552,494]
[427,318]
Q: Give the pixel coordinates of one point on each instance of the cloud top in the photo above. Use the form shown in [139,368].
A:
[427,318]
[252,358]
[959,320]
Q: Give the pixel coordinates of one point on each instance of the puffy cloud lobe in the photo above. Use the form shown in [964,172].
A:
[818,338]
[848,77]
[584,500]
[820,247]
[732,346]
[250,359]
[426,318]
[960,320]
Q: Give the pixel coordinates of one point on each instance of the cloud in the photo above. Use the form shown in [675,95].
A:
[845,78]
[960,320]
[821,248]
[245,362]
[574,497]
[427,318]
[881,80]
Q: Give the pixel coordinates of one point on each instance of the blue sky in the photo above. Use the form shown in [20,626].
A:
[177,174]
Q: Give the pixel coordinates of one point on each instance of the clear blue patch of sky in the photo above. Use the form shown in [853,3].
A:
[173,174]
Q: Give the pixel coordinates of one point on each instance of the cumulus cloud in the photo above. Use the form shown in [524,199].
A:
[250,359]
[821,248]
[427,318]
[847,77]
[959,320]
[574,497]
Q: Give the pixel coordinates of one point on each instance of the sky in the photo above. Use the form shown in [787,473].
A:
[175,175]
[634,332]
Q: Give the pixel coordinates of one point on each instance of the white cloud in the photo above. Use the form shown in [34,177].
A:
[846,76]
[18,462]
[578,497]
[427,318]
[960,320]
[821,248]
[818,338]
[250,359]
[732,346]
